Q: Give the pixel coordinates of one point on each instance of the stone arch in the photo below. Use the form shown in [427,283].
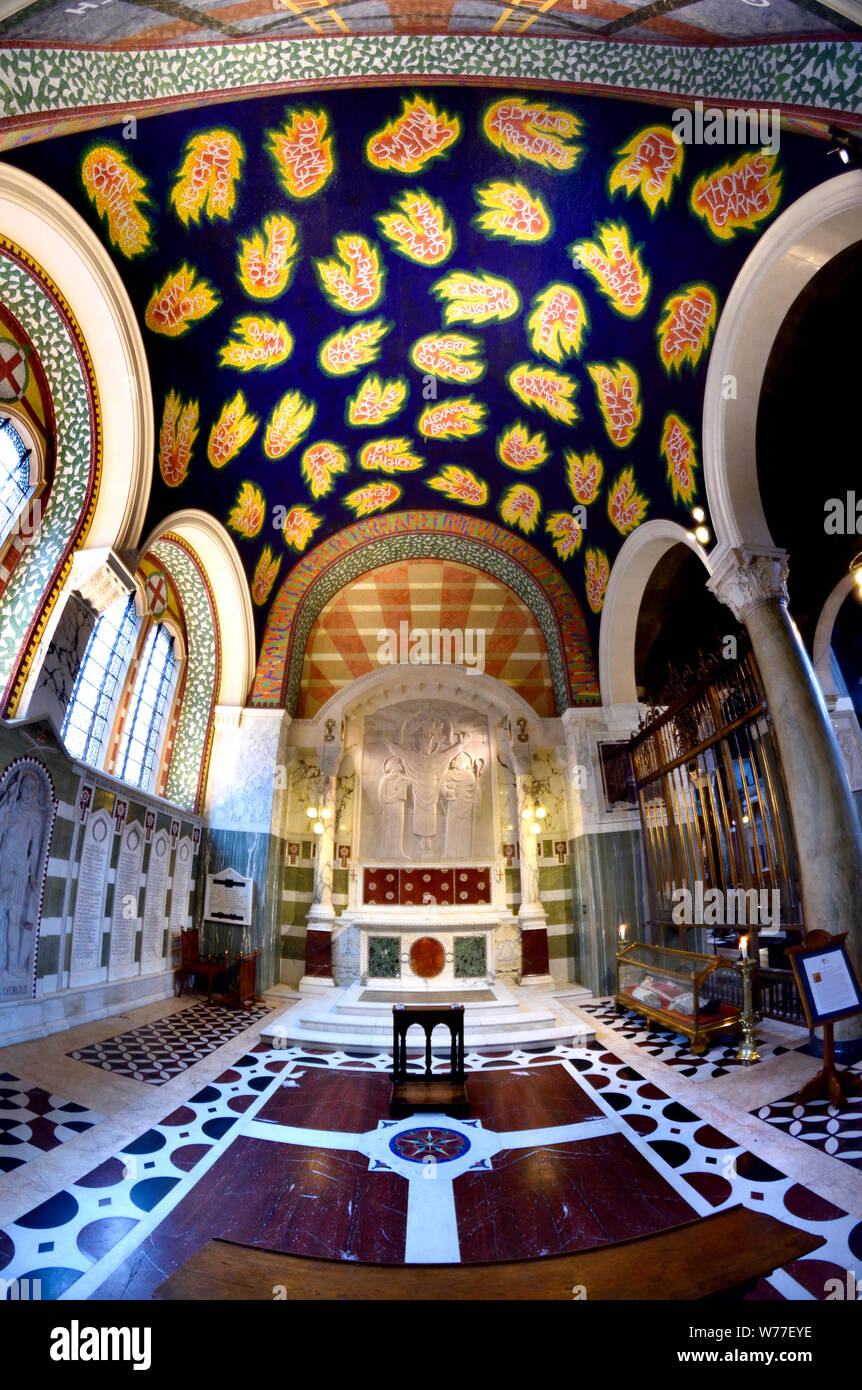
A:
[407,535]
[84,331]
[632,569]
[814,229]
[822,649]
[219,560]
[189,738]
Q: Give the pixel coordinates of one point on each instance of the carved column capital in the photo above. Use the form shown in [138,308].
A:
[745,579]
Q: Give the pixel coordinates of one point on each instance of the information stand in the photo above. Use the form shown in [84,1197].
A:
[830,990]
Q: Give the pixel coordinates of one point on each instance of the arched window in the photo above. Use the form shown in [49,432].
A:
[144,720]
[16,482]
[105,659]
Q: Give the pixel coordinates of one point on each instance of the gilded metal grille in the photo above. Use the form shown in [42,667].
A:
[713,807]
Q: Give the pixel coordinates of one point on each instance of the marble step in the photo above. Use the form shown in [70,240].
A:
[513,1019]
[382,1023]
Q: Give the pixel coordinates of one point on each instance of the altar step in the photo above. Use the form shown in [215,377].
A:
[511,1017]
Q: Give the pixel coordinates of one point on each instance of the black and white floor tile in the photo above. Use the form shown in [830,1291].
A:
[74,1241]
[158,1051]
[674,1049]
[32,1121]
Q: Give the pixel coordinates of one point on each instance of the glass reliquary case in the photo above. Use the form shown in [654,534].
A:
[680,991]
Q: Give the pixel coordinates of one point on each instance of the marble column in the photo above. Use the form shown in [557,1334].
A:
[535,968]
[825,824]
[321,913]
[605,846]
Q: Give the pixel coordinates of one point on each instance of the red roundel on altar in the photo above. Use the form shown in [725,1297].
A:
[427,957]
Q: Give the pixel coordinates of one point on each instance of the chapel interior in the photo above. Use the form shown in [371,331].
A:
[430,649]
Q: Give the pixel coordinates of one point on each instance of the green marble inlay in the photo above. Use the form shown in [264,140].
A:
[384,957]
[471,960]
[49,956]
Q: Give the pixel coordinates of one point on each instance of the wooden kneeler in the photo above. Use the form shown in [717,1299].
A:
[446,1092]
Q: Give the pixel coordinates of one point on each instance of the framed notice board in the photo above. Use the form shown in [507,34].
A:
[826,978]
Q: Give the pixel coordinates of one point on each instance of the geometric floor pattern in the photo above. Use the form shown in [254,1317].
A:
[821,1125]
[158,1051]
[674,1049]
[32,1121]
[348,1183]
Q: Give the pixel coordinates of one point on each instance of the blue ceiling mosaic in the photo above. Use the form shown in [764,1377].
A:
[373,301]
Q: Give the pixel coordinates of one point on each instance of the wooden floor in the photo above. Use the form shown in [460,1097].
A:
[698,1260]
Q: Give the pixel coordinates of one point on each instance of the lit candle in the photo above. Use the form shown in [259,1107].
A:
[623,930]
[743,947]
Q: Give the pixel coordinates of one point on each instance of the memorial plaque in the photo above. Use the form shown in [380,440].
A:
[181,886]
[127,880]
[91,892]
[27,811]
[154,902]
[228,898]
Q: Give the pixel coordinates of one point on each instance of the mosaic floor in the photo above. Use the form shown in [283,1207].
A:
[33,1121]
[161,1050]
[292,1149]
[674,1049]
[835,1132]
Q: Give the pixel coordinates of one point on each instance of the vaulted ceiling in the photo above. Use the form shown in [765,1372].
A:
[379,300]
[126,23]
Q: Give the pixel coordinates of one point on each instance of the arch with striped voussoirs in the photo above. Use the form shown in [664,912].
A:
[370,544]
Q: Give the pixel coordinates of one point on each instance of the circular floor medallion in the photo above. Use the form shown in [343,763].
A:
[427,957]
[429,1144]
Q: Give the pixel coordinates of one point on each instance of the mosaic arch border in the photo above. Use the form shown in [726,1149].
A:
[319,575]
[193,738]
[38,578]
[802,78]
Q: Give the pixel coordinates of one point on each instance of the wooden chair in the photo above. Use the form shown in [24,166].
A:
[193,963]
[446,1091]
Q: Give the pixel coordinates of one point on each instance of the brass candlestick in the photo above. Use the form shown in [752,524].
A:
[747,1052]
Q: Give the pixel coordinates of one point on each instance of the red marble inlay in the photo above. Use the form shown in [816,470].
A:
[563,1198]
[433,886]
[472,886]
[510,1100]
[318,953]
[534,952]
[333,1100]
[427,957]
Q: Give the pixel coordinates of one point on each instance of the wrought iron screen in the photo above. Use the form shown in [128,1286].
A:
[714,810]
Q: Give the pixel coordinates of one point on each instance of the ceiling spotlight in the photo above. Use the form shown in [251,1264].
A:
[702,534]
[698,514]
[847,147]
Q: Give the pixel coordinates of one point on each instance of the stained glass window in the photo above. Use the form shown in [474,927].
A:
[146,710]
[15,485]
[105,658]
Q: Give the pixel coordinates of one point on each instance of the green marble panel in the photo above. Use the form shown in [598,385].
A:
[608,888]
[49,956]
[471,959]
[384,957]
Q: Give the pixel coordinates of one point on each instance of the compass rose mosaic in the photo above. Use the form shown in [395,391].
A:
[429,1144]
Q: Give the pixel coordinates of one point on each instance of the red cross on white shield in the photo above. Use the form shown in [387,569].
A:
[157,593]
[13,371]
